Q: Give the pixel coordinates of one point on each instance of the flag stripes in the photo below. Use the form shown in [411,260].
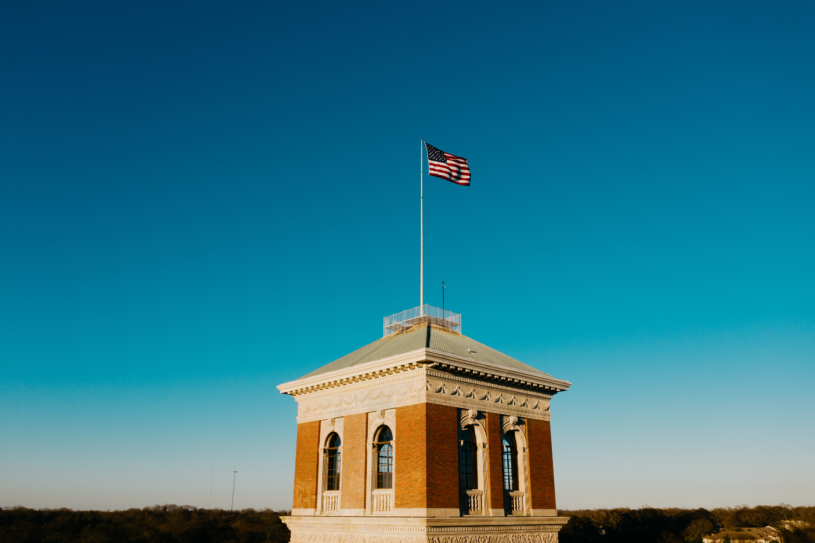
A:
[447,166]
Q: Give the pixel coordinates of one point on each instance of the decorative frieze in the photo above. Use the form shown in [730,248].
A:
[419,386]
[385,368]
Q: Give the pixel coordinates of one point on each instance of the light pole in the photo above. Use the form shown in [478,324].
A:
[211,478]
[234,475]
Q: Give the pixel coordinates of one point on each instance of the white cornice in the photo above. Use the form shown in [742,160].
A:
[494,371]
[417,359]
[352,374]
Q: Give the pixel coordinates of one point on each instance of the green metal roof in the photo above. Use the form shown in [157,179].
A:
[429,337]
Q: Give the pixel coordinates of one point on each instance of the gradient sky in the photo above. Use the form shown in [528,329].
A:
[200,201]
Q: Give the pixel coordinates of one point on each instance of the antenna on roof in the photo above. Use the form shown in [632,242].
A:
[443,288]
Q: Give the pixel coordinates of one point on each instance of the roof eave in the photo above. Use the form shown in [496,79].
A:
[351,372]
[496,371]
[418,358]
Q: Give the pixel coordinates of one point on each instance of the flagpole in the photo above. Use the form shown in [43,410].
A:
[421,219]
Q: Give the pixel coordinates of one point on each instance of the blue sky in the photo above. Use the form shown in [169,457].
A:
[200,201]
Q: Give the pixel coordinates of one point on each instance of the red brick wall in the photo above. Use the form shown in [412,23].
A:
[426,456]
[496,482]
[410,457]
[442,456]
[541,467]
[305,465]
[354,451]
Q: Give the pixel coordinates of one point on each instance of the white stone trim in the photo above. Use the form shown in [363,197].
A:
[351,512]
[471,418]
[386,417]
[450,524]
[432,512]
[502,373]
[422,385]
[418,359]
[444,389]
[424,529]
[427,371]
[517,427]
[359,372]
[327,427]
[473,380]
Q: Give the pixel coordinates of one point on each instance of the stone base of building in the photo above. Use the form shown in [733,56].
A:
[369,529]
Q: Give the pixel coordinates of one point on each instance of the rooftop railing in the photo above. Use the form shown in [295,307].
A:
[437,316]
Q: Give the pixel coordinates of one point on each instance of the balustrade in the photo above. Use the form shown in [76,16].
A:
[517,498]
[475,502]
[382,501]
[331,502]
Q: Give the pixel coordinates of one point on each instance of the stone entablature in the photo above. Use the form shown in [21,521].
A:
[422,384]
[421,358]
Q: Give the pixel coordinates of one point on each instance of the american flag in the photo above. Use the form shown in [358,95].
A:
[447,166]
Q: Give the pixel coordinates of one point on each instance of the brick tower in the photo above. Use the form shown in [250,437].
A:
[424,436]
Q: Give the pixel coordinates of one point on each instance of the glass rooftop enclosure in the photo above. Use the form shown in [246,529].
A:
[443,318]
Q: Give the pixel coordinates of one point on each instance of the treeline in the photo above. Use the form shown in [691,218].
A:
[648,525]
[159,524]
[171,524]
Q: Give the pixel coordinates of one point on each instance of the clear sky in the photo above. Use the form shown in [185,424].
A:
[200,201]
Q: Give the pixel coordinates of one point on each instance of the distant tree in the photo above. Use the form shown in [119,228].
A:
[698,528]
[157,524]
[185,524]
[798,535]
[580,529]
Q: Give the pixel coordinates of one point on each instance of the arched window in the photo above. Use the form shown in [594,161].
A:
[384,456]
[510,462]
[468,461]
[333,455]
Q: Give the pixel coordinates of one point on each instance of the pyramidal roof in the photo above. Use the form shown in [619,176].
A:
[425,336]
